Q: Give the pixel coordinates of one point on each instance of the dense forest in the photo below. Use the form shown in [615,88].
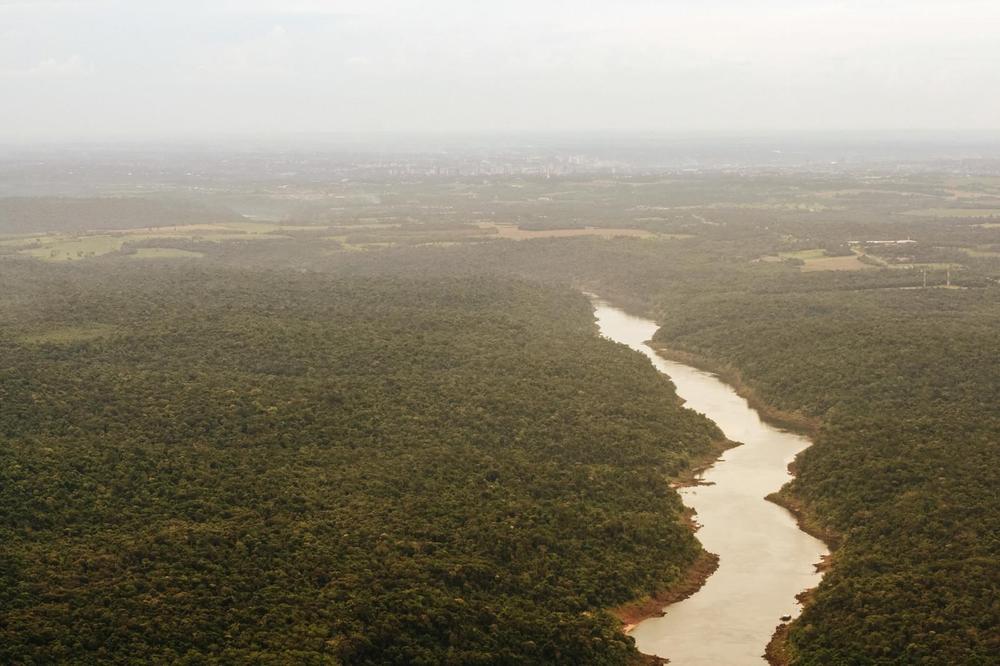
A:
[905,466]
[905,383]
[202,465]
[343,443]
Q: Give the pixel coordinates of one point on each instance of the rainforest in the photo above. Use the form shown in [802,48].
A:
[374,422]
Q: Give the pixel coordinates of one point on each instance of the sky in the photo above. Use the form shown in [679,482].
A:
[108,69]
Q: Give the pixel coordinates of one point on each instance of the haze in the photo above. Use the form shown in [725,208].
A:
[95,70]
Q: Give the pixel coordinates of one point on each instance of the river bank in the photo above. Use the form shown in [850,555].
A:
[763,553]
[777,652]
[794,421]
[697,573]
[631,614]
[731,375]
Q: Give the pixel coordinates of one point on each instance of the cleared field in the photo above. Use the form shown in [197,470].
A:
[806,207]
[954,212]
[860,192]
[976,252]
[378,245]
[23,240]
[164,253]
[341,228]
[804,255]
[513,232]
[966,194]
[930,266]
[248,227]
[215,238]
[71,247]
[851,263]
[344,244]
[68,335]
[62,248]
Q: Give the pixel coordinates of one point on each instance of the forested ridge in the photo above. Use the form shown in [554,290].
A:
[213,466]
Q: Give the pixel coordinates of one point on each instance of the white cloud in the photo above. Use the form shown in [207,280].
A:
[329,65]
[268,54]
[54,68]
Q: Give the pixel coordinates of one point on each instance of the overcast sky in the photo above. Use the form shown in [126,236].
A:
[96,69]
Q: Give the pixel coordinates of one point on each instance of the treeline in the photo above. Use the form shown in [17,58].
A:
[24,215]
[215,466]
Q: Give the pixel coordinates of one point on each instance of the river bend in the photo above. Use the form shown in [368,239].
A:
[764,559]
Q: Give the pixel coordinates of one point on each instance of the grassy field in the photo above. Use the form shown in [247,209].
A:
[816,259]
[930,266]
[804,255]
[75,246]
[954,212]
[68,335]
[66,248]
[164,253]
[847,263]
[977,252]
[249,227]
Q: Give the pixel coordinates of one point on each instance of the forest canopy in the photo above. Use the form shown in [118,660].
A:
[208,466]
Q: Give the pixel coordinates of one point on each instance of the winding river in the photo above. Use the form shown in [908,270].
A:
[764,559]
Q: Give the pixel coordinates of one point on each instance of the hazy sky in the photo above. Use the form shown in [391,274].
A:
[92,69]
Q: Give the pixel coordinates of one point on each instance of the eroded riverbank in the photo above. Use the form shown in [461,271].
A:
[765,560]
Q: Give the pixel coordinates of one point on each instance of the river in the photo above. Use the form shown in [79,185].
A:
[764,559]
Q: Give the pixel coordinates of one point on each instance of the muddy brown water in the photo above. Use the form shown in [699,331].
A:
[764,559]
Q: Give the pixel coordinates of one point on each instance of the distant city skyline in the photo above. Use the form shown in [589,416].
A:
[90,70]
